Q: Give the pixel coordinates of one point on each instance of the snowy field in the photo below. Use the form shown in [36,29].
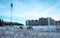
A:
[15,32]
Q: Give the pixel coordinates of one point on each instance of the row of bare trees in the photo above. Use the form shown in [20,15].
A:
[4,23]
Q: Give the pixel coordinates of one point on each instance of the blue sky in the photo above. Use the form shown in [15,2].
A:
[29,9]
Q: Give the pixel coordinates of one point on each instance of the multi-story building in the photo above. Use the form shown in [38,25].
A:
[46,21]
[32,22]
[57,22]
[52,21]
[41,21]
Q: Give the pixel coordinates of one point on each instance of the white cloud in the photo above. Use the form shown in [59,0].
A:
[34,14]
[31,11]
[56,17]
[49,10]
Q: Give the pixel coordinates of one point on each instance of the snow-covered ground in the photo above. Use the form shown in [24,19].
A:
[15,32]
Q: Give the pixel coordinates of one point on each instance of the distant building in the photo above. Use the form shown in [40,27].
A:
[52,21]
[46,21]
[41,21]
[32,22]
[28,22]
[57,26]
[57,22]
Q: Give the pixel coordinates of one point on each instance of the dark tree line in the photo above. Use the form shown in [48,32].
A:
[4,23]
[1,22]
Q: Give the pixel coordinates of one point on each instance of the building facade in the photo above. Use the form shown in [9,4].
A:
[41,21]
[32,22]
[57,22]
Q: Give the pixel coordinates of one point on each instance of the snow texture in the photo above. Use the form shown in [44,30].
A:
[15,32]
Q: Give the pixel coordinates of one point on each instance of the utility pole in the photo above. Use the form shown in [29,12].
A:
[11,11]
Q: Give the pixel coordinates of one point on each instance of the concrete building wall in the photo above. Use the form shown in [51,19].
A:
[42,21]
